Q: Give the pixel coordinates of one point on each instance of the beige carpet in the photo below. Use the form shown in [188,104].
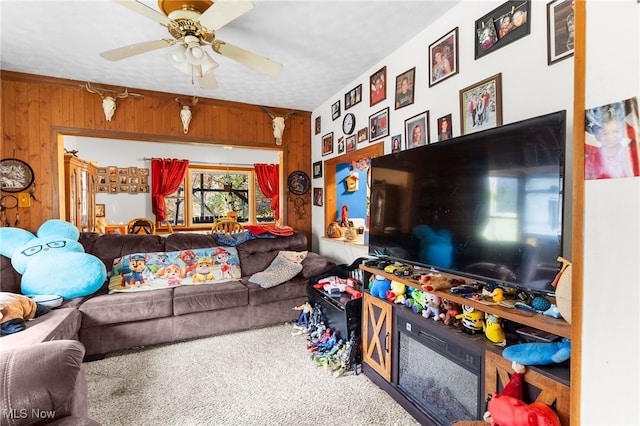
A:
[256,377]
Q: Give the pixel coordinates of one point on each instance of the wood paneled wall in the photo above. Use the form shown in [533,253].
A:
[37,110]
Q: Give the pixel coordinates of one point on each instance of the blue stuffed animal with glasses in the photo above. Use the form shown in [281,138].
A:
[52,262]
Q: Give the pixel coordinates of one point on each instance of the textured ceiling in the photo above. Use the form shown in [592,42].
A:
[322,45]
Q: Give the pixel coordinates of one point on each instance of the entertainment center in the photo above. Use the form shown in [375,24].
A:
[483,208]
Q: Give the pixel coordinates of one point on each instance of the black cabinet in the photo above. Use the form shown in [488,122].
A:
[341,311]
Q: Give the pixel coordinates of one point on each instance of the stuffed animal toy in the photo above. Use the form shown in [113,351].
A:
[472,320]
[417,302]
[433,303]
[397,293]
[539,353]
[53,262]
[432,282]
[379,285]
[451,310]
[493,330]
[15,310]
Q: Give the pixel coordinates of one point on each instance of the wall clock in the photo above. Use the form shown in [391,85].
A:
[16,175]
[349,123]
[298,182]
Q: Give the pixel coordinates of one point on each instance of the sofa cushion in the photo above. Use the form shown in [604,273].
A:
[126,307]
[57,324]
[197,298]
[256,255]
[189,240]
[111,246]
[292,289]
[285,266]
[157,270]
[315,264]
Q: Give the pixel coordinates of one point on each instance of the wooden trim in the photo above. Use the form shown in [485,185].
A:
[577,222]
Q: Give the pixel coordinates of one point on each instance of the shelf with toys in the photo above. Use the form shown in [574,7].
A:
[557,326]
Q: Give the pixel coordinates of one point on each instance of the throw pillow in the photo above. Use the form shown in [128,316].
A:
[281,270]
[151,271]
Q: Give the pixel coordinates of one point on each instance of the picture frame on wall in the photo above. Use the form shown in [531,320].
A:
[100,210]
[503,25]
[327,144]
[318,125]
[396,143]
[351,143]
[445,128]
[405,85]
[317,196]
[378,86]
[481,105]
[443,57]
[560,30]
[317,169]
[379,125]
[340,144]
[335,110]
[416,130]
[353,97]
[363,134]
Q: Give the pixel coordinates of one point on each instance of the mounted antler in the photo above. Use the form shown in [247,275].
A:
[277,123]
[108,101]
[186,113]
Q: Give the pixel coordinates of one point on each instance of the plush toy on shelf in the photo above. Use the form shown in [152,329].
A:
[397,293]
[378,286]
[539,353]
[452,309]
[433,282]
[417,302]
[472,320]
[432,308]
[493,330]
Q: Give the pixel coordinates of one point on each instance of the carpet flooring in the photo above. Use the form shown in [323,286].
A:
[256,377]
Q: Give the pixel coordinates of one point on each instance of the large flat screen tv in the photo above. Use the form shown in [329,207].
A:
[487,205]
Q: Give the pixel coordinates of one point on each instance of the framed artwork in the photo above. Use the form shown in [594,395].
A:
[340,144]
[352,97]
[317,196]
[318,125]
[405,84]
[327,144]
[443,57]
[559,30]
[481,105]
[416,130]
[100,210]
[317,169]
[116,180]
[363,134]
[115,229]
[396,143]
[378,86]
[379,125]
[445,129]
[351,143]
[335,110]
[503,25]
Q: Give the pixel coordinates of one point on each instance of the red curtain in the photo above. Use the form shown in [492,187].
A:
[166,177]
[269,181]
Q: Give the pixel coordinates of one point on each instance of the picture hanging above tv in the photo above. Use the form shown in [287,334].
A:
[487,205]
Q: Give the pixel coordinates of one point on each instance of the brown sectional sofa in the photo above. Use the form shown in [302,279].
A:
[106,322]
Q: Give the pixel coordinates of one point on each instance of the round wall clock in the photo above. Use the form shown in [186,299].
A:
[348,123]
[298,182]
[16,175]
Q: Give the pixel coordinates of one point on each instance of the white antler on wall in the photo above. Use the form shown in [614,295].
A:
[108,101]
[277,123]
[186,112]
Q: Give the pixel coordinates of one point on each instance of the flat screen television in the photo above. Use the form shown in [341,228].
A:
[486,205]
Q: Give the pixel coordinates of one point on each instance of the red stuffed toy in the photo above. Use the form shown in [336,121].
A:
[508,409]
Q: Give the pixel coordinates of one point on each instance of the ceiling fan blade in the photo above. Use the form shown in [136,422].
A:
[136,49]
[247,58]
[145,10]
[224,11]
[208,81]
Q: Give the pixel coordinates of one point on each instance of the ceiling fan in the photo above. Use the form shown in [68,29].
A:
[193,25]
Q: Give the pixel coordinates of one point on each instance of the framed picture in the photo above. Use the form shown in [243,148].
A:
[317,169]
[340,144]
[445,130]
[352,97]
[327,144]
[503,25]
[416,130]
[379,125]
[351,143]
[405,88]
[378,86]
[443,57]
[335,110]
[396,143]
[318,126]
[115,229]
[100,210]
[559,30]
[363,134]
[317,196]
[481,105]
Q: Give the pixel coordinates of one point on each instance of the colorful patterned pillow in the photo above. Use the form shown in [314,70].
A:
[285,266]
[151,271]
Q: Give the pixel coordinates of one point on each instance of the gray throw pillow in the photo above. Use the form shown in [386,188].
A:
[281,270]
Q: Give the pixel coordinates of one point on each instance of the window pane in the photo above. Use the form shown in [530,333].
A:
[264,213]
[214,193]
[174,204]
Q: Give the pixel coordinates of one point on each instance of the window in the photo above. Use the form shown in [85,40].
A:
[209,193]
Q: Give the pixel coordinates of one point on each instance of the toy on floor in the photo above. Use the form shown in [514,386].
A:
[539,353]
[302,325]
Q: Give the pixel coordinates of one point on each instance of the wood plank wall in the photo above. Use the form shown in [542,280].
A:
[36,110]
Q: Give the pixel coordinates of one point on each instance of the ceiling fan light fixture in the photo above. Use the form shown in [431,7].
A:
[208,64]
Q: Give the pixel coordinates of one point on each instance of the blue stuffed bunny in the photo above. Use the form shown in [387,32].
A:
[53,261]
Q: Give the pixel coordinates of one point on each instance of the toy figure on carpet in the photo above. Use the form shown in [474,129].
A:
[350,356]
[302,325]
